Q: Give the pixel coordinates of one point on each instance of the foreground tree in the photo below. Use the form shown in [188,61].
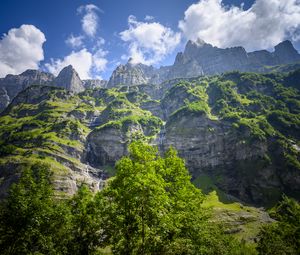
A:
[86,229]
[153,208]
[283,236]
[30,219]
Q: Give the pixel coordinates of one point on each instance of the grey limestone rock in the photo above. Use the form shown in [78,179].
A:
[69,79]
[94,83]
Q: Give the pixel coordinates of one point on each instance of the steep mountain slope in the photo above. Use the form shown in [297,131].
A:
[242,131]
[52,125]
[238,132]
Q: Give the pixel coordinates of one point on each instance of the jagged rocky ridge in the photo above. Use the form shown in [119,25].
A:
[237,131]
[198,58]
[68,78]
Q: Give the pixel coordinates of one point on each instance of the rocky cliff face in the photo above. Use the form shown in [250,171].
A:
[135,74]
[209,60]
[94,84]
[285,53]
[214,148]
[127,75]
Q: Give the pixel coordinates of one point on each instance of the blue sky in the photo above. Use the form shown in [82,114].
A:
[151,31]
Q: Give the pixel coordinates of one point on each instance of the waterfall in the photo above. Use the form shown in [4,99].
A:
[93,122]
[161,138]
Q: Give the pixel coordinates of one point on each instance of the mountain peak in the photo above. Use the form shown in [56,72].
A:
[284,44]
[130,61]
[198,43]
[68,68]
[286,53]
[69,79]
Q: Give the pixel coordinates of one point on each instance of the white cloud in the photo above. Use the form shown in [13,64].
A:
[75,41]
[262,26]
[149,18]
[89,21]
[87,62]
[84,62]
[80,60]
[99,60]
[21,49]
[148,42]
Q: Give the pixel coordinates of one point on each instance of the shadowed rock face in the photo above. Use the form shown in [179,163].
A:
[286,53]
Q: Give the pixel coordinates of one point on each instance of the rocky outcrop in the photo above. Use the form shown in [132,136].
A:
[94,84]
[35,95]
[206,59]
[69,79]
[127,75]
[108,144]
[66,162]
[285,53]
[132,74]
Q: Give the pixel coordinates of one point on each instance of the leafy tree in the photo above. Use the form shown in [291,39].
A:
[138,203]
[86,232]
[153,208]
[283,236]
[31,222]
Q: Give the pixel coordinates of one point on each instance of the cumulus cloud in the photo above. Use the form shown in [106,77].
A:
[21,49]
[262,26]
[89,21]
[88,62]
[149,18]
[75,41]
[80,60]
[148,42]
[99,60]
[85,63]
